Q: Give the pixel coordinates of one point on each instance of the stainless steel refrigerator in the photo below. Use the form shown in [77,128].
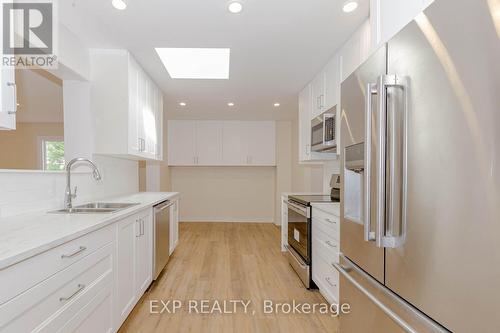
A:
[420,202]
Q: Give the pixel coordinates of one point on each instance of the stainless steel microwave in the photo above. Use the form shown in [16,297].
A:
[323,132]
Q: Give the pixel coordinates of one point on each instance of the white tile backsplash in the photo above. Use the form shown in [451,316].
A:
[29,191]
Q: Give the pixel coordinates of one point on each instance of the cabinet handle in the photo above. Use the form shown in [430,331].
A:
[330,282]
[13,85]
[330,243]
[138,233]
[80,288]
[80,249]
[331,221]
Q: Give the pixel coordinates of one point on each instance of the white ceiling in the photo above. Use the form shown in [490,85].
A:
[277,46]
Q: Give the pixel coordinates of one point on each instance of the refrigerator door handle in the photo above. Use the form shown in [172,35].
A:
[371,89]
[381,161]
[349,267]
[389,238]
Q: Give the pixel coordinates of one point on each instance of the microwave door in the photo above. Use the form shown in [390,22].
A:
[359,190]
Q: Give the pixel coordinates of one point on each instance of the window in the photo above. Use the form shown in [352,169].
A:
[52,152]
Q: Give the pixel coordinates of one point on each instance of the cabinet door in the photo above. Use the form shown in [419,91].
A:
[332,83]
[318,94]
[209,142]
[233,146]
[134,101]
[260,141]
[143,253]
[181,142]
[142,95]
[305,105]
[174,226]
[125,268]
[149,120]
[8,96]
[159,124]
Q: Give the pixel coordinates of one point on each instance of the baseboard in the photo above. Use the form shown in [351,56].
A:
[229,220]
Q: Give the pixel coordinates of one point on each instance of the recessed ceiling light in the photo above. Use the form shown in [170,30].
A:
[196,63]
[235,7]
[230,104]
[182,104]
[350,6]
[119,4]
[276,105]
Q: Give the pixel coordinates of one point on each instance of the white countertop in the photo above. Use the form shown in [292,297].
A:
[286,194]
[26,235]
[328,207]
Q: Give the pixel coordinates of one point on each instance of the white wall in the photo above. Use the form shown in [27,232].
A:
[227,194]
[31,191]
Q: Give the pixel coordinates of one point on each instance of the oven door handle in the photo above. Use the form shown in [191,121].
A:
[301,262]
[298,209]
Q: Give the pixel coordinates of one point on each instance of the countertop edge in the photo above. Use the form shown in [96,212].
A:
[24,255]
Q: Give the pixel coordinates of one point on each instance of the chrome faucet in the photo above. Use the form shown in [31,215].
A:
[68,196]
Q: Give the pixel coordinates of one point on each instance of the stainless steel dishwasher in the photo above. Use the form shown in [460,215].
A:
[161,236]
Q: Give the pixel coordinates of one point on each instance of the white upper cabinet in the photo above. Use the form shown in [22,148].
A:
[181,142]
[332,83]
[259,139]
[318,94]
[305,114]
[233,143]
[221,143]
[127,107]
[395,14]
[355,51]
[8,95]
[8,98]
[209,142]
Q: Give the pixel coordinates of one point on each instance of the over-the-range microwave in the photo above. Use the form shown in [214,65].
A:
[323,132]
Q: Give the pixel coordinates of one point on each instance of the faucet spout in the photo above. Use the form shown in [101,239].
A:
[69,195]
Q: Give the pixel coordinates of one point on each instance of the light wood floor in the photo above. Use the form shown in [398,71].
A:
[227,261]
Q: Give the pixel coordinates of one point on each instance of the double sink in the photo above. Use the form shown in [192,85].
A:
[95,208]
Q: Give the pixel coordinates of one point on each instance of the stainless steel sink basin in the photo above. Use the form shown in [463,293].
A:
[106,205]
[95,208]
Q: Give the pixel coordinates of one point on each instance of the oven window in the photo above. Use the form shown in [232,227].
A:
[298,231]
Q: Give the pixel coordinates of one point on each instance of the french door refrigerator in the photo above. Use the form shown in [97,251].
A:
[420,202]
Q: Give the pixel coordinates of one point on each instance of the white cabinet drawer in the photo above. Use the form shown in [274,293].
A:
[19,277]
[92,312]
[326,249]
[324,219]
[57,295]
[324,232]
[326,278]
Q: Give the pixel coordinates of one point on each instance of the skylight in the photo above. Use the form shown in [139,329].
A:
[195,63]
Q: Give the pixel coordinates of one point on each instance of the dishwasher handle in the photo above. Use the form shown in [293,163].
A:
[164,205]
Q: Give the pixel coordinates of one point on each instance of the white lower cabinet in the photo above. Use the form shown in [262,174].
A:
[174,226]
[89,284]
[134,262]
[325,251]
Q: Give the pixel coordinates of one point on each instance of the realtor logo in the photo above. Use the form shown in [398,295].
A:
[29,34]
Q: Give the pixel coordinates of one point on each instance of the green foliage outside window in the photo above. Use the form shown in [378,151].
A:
[54,155]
